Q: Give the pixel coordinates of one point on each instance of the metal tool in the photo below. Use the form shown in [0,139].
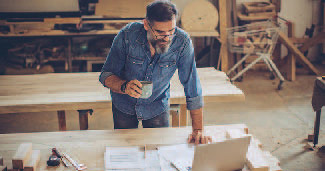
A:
[64,161]
[55,158]
[75,164]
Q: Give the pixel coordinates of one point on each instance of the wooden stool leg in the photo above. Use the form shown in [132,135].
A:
[316,126]
[62,122]
[183,115]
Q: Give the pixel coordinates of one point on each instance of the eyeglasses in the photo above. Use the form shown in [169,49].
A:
[170,36]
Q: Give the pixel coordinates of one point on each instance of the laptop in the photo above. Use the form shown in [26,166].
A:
[227,155]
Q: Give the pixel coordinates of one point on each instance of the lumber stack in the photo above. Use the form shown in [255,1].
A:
[25,158]
[256,158]
[257,11]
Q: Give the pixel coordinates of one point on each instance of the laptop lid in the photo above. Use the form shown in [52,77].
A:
[227,155]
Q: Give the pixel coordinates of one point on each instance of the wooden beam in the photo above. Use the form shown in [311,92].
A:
[22,155]
[33,161]
[235,23]
[319,38]
[291,62]
[62,122]
[223,34]
[295,51]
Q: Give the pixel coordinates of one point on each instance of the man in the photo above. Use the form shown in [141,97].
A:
[152,51]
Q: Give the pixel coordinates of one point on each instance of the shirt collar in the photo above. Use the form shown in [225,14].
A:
[142,37]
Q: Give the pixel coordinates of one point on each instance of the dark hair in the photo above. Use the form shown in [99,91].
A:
[161,11]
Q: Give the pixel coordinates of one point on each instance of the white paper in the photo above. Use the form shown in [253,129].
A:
[180,156]
[124,158]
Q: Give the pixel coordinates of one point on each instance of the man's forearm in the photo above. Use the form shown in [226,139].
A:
[114,83]
[197,119]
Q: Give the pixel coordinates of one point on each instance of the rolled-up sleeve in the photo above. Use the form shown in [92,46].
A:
[115,59]
[188,76]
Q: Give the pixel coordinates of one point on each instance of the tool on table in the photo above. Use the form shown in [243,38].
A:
[54,159]
[75,164]
[64,161]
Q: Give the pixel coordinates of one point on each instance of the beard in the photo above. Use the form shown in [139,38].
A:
[160,45]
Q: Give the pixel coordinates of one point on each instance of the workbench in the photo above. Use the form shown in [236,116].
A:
[83,92]
[88,146]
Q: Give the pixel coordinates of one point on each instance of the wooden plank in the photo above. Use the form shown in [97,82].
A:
[22,155]
[223,35]
[254,7]
[33,162]
[75,20]
[295,51]
[255,159]
[273,162]
[62,121]
[316,39]
[244,17]
[107,21]
[291,66]
[183,115]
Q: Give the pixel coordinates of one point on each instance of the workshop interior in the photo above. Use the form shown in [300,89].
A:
[256,79]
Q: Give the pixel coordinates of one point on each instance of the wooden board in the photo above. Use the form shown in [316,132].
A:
[255,7]
[43,92]
[224,23]
[295,51]
[122,9]
[22,155]
[316,39]
[244,17]
[88,146]
[33,162]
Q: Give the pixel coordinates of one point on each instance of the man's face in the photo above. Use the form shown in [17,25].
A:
[160,35]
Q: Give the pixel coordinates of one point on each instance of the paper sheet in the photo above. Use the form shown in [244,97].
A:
[124,158]
[180,156]
[131,158]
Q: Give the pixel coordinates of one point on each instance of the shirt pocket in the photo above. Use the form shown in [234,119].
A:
[134,67]
[167,67]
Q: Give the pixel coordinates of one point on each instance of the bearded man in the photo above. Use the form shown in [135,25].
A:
[152,50]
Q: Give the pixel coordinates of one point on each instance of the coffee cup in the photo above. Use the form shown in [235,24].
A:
[146,89]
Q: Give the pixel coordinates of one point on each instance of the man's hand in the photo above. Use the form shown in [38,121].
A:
[197,137]
[134,88]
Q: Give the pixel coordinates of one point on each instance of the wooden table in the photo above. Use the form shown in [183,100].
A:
[88,146]
[83,91]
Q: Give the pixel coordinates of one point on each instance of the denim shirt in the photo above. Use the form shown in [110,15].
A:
[130,58]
